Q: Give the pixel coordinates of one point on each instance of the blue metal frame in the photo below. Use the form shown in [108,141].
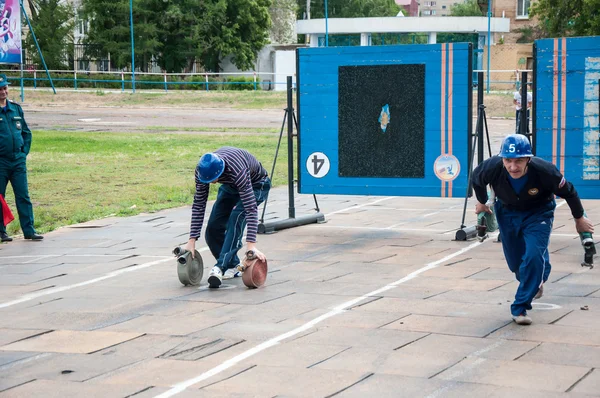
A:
[317,82]
[566,104]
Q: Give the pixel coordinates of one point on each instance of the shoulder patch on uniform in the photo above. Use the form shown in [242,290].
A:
[533,191]
[562,182]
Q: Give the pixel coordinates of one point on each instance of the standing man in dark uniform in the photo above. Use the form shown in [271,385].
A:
[15,141]
[525,187]
[245,184]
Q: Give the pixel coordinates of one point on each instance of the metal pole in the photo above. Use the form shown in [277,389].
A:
[489,15]
[290,111]
[37,45]
[524,109]
[326,26]
[132,46]
[479,114]
[22,88]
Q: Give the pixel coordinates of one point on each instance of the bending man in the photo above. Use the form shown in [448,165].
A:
[245,184]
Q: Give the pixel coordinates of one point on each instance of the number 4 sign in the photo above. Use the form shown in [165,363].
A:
[317,164]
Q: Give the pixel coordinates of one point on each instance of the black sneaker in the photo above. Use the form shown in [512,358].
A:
[34,237]
[4,237]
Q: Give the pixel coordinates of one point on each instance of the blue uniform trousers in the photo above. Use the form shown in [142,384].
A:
[16,172]
[525,237]
[227,221]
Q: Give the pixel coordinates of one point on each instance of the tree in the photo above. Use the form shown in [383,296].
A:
[349,8]
[177,25]
[53,26]
[109,31]
[235,28]
[568,18]
[177,33]
[469,8]
[282,18]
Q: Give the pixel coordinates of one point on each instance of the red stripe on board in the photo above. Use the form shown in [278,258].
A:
[443,112]
[554,100]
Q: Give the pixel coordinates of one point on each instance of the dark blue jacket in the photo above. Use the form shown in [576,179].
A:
[15,136]
[543,182]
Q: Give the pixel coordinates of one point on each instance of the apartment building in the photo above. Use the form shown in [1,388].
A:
[436,8]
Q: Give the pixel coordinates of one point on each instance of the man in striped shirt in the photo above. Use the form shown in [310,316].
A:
[244,186]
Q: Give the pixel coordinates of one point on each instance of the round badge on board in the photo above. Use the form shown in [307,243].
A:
[318,164]
[446,167]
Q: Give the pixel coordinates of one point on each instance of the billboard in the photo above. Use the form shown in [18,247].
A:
[10,32]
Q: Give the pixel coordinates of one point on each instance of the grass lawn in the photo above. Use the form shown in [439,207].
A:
[77,177]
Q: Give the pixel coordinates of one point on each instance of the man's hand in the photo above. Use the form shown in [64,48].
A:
[191,246]
[257,253]
[583,224]
[481,208]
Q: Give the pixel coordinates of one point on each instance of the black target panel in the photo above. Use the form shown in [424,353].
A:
[394,92]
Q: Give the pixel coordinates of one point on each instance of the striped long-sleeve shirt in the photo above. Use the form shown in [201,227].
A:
[242,170]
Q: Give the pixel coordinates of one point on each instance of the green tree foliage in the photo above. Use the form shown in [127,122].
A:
[283,14]
[52,22]
[179,32]
[560,18]
[235,28]
[469,8]
[109,31]
[177,24]
[349,8]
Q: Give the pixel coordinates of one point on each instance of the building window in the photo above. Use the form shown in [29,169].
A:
[443,7]
[523,8]
[426,12]
[433,3]
[432,12]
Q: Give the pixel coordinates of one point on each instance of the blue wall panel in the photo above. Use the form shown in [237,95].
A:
[566,99]
[446,111]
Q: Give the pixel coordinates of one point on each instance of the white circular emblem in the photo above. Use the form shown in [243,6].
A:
[446,167]
[317,164]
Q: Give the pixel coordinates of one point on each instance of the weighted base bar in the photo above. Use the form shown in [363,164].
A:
[466,233]
[271,227]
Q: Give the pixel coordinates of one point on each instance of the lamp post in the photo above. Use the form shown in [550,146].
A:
[132,46]
[326,26]
[489,15]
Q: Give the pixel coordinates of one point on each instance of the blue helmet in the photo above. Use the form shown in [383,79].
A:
[210,167]
[515,146]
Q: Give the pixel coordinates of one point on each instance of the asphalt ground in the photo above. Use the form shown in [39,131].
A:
[378,301]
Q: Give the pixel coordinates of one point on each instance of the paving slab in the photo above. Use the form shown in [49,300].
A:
[528,376]
[589,384]
[69,341]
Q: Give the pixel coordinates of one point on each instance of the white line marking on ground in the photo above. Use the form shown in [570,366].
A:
[378,228]
[360,206]
[46,292]
[545,306]
[180,387]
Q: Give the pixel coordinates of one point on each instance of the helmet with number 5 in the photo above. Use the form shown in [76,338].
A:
[515,146]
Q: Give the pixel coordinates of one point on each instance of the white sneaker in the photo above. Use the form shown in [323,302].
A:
[522,319]
[232,273]
[215,276]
